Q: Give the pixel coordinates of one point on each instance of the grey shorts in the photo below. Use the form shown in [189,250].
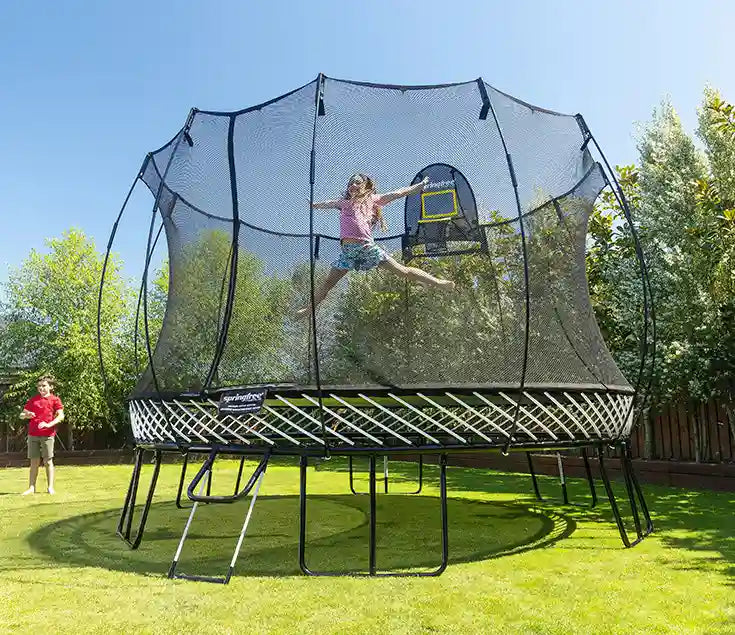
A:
[41,447]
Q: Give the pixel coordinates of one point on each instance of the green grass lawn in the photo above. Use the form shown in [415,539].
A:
[516,566]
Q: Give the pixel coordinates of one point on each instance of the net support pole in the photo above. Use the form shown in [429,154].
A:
[319,111]
[227,314]
[649,315]
[488,105]
[110,242]
[184,131]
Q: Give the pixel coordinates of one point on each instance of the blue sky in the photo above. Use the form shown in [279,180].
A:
[88,88]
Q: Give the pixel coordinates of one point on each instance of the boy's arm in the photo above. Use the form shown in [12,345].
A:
[389,197]
[56,420]
[26,414]
[326,205]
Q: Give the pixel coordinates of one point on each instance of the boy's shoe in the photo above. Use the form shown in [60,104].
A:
[51,491]
[30,490]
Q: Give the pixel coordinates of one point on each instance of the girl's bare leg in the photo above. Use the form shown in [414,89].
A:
[333,277]
[416,275]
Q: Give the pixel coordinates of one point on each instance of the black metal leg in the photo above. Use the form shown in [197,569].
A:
[239,475]
[639,492]
[633,491]
[372,526]
[130,495]
[352,478]
[126,517]
[532,472]
[181,481]
[302,514]
[373,495]
[590,480]
[421,475]
[631,494]
[611,497]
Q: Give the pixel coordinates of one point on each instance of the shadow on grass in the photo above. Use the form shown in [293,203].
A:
[408,535]
[699,521]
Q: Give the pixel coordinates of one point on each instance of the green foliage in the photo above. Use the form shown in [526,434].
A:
[51,327]
[255,340]
[684,201]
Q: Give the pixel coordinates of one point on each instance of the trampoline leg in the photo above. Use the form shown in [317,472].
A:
[532,472]
[352,478]
[611,497]
[444,516]
[590,480]
[239,475]
[125,524]
[373,496]
[181,481]
[633,490]
[303,463]
[421,475]
[372,527]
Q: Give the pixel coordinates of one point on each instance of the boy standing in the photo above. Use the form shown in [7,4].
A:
[44,412]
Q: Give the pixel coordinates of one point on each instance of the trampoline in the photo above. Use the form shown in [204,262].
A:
[511,360]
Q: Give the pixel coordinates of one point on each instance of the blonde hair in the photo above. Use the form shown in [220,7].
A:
[370,188]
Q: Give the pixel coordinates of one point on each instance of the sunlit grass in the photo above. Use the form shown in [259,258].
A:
[516,566]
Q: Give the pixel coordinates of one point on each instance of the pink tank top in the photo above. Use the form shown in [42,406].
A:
[357,218]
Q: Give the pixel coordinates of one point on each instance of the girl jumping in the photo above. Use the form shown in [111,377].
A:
[360,210]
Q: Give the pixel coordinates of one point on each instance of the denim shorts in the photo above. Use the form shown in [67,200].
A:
[360,256]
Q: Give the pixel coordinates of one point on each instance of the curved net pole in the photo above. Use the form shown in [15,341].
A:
[649,315]
[148,257]
[234,253]
[181,135]
[110,242]
[318,111]
[488,106]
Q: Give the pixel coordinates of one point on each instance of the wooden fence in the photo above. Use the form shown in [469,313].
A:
[694,432]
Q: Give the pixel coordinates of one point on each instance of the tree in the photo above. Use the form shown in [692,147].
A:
[51,327]
[257,348]
[716,202]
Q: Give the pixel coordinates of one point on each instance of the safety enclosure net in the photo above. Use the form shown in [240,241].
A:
[504,216]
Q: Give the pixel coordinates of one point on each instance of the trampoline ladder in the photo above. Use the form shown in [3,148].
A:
[385,476]
[563,479]
[202,479]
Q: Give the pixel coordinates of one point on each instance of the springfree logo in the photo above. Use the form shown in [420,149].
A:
[441,185]
[242,401]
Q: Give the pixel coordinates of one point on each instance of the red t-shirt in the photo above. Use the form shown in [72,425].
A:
[45,409]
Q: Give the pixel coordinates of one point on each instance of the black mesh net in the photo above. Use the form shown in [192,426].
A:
[243,242]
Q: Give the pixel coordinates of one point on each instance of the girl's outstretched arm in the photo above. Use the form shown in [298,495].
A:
[326,204]
[388,197]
